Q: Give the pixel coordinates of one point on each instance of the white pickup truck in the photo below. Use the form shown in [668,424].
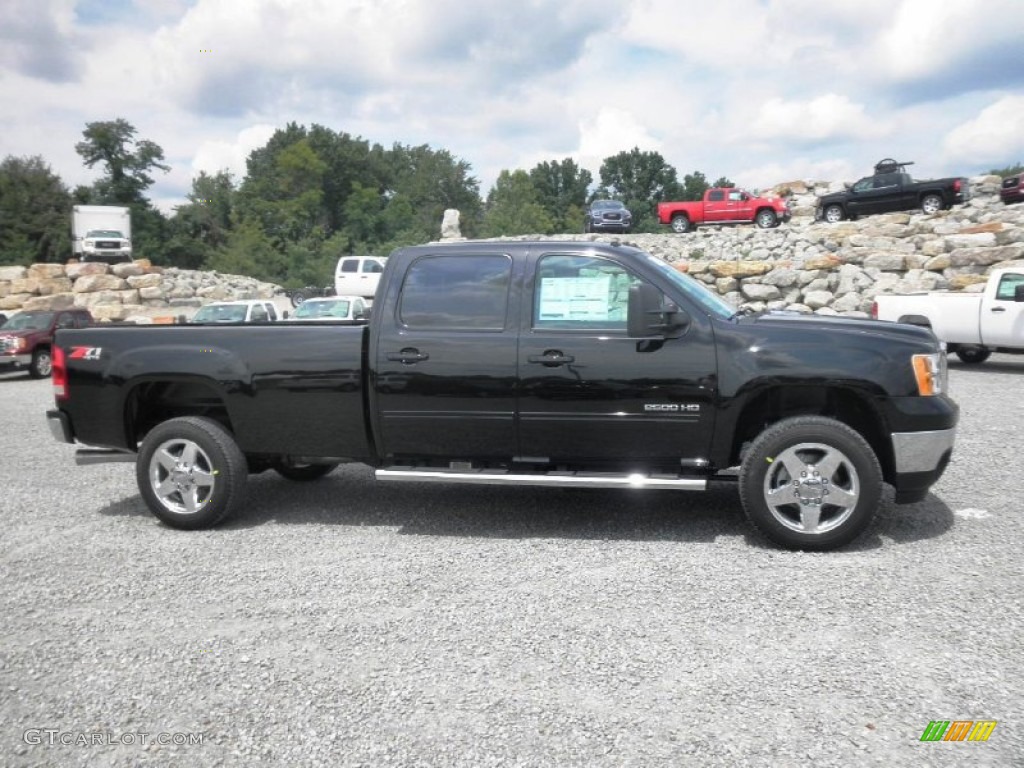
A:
[973,325]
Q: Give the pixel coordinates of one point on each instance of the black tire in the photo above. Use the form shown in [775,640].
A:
[191,472]
[834,214]
[303,472]
[766,219]
[587,229]
[298,296]
[802,445]
[972,354]
[681,223]
[932,204]
[42,363]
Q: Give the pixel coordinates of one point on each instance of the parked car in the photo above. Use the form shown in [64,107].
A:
[346,309]
[1012,189]
[358,276]
[973,325]
[607,216]
[892,189]
[241,311]
[544,363]
[26,338]
[724,205]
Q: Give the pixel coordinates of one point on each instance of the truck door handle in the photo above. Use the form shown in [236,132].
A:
[408,356]
[552,358]
[998,309]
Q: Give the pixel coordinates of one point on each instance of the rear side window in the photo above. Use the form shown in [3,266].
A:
[350,265]
[467,293]
[716,196]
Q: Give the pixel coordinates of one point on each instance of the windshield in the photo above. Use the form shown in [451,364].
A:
[103,233]
[29,321]
[220,313]
[606,204]
[337,308]
[714,304]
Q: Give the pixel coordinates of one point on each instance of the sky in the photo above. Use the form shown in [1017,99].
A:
[760,91]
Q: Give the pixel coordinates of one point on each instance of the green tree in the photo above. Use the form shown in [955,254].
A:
[35,212]
[433,181]
[722,181]
[204,223]
[1010,170]
[513,207]
[562,191]
[641,180]
[694,186]
[128,163]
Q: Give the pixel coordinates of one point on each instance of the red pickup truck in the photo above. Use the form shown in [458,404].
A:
[724,206]
[26,338]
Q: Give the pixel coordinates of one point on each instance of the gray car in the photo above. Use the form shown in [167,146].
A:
[607,216]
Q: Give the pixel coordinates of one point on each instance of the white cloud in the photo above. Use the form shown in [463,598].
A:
[993,137]
[213,156]
[610,131]
[829,116]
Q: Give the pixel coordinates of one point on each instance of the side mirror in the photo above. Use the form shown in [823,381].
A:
[649,315]
[284,314]
[1018,293]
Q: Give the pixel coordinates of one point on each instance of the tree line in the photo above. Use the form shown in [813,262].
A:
[312,194]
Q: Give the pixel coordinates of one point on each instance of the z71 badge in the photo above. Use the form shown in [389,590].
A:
[672,407]
[86,353]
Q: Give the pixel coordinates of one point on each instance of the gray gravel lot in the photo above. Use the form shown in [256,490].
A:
[348,623]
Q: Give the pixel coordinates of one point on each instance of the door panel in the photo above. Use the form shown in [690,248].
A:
[445,366]
[1002,318]
[589,392]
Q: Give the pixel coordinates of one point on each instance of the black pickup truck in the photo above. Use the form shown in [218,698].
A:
[573,365]
[892,189]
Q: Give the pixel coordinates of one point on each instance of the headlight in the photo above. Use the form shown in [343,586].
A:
[931,373]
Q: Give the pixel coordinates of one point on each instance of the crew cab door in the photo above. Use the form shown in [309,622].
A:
[589,392]
[444,361]
[1002,318]
[716,206]
[876,194]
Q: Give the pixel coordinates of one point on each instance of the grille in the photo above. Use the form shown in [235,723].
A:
[108,244]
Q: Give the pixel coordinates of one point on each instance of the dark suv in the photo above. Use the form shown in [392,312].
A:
[1012,189]
[607,216]
[26,338]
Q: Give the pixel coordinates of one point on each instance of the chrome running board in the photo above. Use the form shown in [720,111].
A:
[555,479]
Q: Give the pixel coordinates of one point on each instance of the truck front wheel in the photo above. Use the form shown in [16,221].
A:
[42,364]
[681,223]
[973,354]
[766,219]
[834,214]
[191,472]
[811,483]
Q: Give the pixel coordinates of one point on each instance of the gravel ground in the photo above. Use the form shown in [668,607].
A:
[348,623]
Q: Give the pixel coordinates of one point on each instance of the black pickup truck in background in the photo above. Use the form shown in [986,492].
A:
[892,189]
[560,364]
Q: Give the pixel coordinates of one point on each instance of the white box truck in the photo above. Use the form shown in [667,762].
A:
[101,233]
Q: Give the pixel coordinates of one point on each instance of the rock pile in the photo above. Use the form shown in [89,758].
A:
[839,268]
[802,265]
[135,291]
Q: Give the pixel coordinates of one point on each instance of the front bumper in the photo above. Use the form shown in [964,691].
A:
[15,360]
[920,458]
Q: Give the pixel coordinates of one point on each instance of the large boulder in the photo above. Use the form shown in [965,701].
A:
[75,271]
[46,271]
[13,273]
[53,301]
[90,283]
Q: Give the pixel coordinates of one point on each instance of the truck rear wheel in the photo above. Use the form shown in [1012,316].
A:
[931,204]
[811,483]
[681,223]
[972,354]
[191,472]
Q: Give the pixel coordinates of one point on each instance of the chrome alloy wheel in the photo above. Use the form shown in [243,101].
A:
[811,488]
[181,476]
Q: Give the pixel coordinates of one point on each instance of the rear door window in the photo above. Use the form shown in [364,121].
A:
[456,292]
